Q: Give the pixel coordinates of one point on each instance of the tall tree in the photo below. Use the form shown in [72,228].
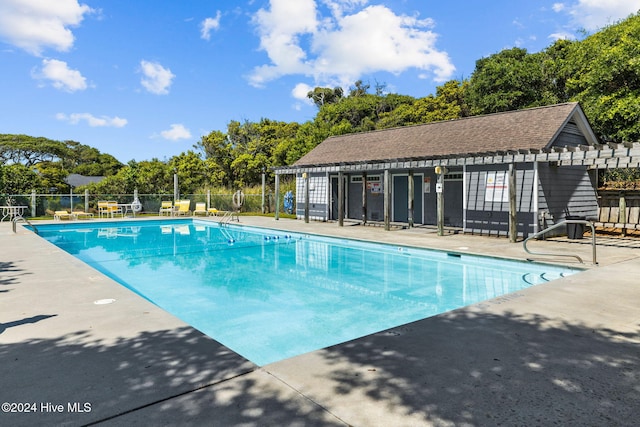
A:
[325,95]
[508,80]
[605,79]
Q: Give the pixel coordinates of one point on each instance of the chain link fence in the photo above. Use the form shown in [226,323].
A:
[38,205]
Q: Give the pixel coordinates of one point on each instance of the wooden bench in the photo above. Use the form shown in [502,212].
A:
[621,211]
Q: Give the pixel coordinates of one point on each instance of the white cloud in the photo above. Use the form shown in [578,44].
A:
[300,92]
[34,25]
[91,120]
[177,132]
[595,14]
[156,79]
[61,76]
[562,35]
[209,24]
[340,48]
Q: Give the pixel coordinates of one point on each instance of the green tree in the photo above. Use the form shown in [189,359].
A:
[218,151]
[20,179]
[605,79]
[191,171]
[449,103]
[508,80]
[29,150]
[325,95]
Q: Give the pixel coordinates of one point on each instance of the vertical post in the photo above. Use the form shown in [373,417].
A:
[277,212]
[622,212]
[536,200]
[176,192]
[263,188]
[364,198]
[513,220]
[340,198]
[86,200]
[208,200]
[70,199]
[387,199]
[305,176]
[33,202]
[440,171]
[410,186]
[465,198]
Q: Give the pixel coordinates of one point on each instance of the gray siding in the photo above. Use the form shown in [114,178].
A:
[566,190]
[487,213]
[570,136]
[375,200]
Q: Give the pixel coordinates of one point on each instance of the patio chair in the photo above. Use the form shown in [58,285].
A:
[114,209]
[60,215]
[166,208]
[183,208]
[103,208]
[201,209]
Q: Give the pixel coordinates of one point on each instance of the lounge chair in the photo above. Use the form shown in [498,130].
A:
[201,209]
[166,208]
[59,215]
[82,215]
[213,211]
[183,208]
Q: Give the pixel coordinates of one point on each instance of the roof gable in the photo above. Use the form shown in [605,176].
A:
[530,129]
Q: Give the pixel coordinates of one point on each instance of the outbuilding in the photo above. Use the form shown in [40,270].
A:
[509,173]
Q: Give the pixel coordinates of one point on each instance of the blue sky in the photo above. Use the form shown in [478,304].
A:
[143,79]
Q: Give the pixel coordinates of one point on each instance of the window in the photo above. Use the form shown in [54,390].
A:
[453,176]
[372,178]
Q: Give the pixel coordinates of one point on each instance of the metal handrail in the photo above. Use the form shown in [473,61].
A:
[18,218]
[553,227]
[228,217]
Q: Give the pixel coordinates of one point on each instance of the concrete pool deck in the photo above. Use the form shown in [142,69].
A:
[566,352]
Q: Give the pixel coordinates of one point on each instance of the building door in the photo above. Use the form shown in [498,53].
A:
[333,209]
[400,190]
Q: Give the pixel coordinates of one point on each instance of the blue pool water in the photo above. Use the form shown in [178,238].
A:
[269,295]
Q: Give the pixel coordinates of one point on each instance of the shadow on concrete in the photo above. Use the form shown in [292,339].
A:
[481,369]
[181,376]
[25,321]
[9,274]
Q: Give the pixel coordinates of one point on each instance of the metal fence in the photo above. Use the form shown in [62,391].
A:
[46,204]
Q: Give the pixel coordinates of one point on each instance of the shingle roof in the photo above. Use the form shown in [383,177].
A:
[534,128]
[76,180]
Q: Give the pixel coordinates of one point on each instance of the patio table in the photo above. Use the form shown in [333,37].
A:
[126,208]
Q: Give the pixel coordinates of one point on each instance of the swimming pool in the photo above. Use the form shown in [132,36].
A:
[269,295]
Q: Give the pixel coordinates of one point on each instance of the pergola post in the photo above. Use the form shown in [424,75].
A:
[340,198]
[364,198]
[410,185]
[305,176]
[387,200]
[440,171]
[513,209]
[277,212]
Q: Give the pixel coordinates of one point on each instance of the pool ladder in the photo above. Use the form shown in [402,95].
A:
[228,217]
[558,225]
[15,220]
